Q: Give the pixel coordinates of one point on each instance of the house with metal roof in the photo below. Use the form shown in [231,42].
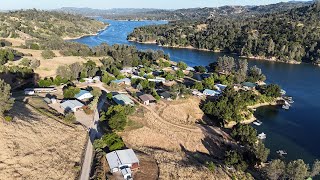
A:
[249,85]
[209,92]
[165,95]
[123,161]
[220,87]
[122,99]
[71,105]
[83,94]
[147,99]
[125,81]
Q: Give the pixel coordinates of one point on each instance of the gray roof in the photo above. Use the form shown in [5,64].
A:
[147,97]
[165,94]
[122,99]
[70,104]
[119,158]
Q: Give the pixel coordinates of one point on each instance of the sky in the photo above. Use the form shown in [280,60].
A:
[108,4]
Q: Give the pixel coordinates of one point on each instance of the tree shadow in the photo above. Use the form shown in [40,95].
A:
[21,111]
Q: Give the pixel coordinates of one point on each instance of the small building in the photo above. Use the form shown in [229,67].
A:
[158,80]
[165,95]
[122,99]
[96,78]
[190,69]
[88,80]
[137,77]
[127,70]
[123,161]
[83,94]
[147,99]
[125,81]
[249,85]
[71,105]
[209,92]
[220,87]
[30,91]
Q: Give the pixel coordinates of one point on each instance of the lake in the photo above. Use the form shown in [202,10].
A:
[296,131]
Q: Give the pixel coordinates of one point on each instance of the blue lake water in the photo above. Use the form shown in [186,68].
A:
[296,131]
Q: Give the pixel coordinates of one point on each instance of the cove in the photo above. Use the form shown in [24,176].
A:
[296,131]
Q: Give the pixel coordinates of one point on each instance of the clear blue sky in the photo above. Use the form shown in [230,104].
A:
[107,4]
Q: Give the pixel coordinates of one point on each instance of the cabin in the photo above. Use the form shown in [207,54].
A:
[31,91]
[220,87]
[158,80]
[127,70]
[146,99]
[190,69]
[122,99]
[136,77]
[71,105]
[83,94]
[165,95]
[249,85]
[96,78]
[209,92]
[124,161]
[88,80]
[125,81]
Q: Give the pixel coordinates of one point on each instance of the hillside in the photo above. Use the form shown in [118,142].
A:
[30,24]
[289,36]
[183,14]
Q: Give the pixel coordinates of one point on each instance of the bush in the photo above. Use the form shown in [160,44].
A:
[48,54]
[70,118]
[211,166]
[70,92]
[87,110]
[8,118]
[112,141]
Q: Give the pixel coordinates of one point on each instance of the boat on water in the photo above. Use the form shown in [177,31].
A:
[262,136]
[257,123]
[282,152]
[283,92]
[286,107]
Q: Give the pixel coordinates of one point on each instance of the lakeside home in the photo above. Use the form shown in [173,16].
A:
[83,94]
[209,92]
[125,81]
[147,99]
[71,105]
[124,161]
[122,99]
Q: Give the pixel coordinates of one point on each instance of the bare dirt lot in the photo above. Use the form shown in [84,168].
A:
[36,147]
[170,132]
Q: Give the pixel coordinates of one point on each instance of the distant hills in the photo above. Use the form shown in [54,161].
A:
[184,14]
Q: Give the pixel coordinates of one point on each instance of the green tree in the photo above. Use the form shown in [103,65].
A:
[315,169]
[261,152]
[70,92]
[198,86]
[118,121]
[111,140]
[182,65]
[70,118]
[233,158]
[275,170]
[208,83]
[297,170]
[48,54]
[180,74]
[246,134]
[6,101]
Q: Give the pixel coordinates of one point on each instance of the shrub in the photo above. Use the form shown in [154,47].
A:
[87,110]
[70,118]
[48,54]
[8,118]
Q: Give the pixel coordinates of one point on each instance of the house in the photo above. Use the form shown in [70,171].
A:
[31,91]
[220,87]
[136,77]
[83,94]
[125,81]
[88,80]
[147,99]
[165,95]
[190,69]
[158,80]
[209,92]
[71,105]
[123,161]
[127,70]
[249,85]
[122,99]
[96,78]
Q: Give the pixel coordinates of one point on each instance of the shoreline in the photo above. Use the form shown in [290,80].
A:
[253,118]
[86,35]
[219,51]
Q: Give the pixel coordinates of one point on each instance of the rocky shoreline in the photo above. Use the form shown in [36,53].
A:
[86,35]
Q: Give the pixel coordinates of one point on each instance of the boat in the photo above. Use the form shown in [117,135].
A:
[262,136]
[254,109]
[281,152]
[290,101]
[286,107]
[257,122]
[283,92]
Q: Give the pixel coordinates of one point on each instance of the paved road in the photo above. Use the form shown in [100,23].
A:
[93,134]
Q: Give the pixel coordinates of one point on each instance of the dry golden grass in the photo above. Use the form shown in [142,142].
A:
[36,147]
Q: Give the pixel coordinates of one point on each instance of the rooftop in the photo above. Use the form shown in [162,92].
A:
[122,99]
[82,92]
[147,97]
[71,104]
[121,157]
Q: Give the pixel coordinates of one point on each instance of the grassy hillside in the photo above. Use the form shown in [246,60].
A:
[26,24]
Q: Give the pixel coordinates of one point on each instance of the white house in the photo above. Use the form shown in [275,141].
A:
[88,80]
[123,161]
[71,105]
[96,78]
[83,94]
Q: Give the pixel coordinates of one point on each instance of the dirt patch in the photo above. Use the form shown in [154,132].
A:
[36,147]
[148,168]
